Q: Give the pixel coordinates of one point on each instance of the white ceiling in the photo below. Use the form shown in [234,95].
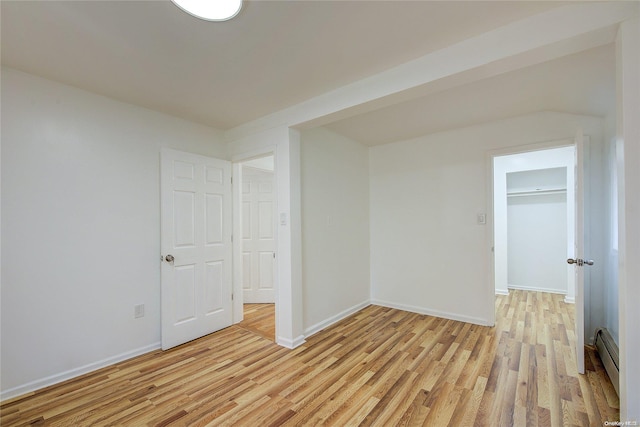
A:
[276,54]
[583,83]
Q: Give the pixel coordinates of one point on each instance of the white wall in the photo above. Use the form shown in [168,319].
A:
[537,240]
[335,227]
[537,226]
[80,227]
[428,253]
[628,156]
[265,163]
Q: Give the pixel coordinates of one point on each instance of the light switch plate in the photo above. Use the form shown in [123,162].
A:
[138,311]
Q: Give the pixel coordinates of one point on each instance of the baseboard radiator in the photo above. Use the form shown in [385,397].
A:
[608,352]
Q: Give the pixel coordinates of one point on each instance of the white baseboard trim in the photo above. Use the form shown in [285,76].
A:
[334,319]
[290,343]
[72,373]
[533,288]
[435,313]
[569,300]
[502,292]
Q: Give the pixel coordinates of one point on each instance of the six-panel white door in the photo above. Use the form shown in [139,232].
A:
[196,226]
[258,242]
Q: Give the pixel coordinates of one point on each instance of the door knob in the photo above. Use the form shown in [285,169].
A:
[169,258]
[580,262]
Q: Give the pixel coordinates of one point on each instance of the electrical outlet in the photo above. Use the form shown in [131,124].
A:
[138,310]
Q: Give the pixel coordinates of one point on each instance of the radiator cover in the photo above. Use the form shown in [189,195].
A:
[608,352]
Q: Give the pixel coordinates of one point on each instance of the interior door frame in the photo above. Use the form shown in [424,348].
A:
[238,313]
[490,229]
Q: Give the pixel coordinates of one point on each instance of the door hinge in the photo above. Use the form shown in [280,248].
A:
[231,180]
[274,255]
[232,238]
[232,297]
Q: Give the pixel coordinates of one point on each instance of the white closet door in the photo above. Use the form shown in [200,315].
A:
[258,240]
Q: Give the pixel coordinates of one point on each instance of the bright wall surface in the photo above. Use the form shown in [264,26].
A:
[628,157]
[80,227]
[537,242]
[537,227]
[335,227]
[428,252]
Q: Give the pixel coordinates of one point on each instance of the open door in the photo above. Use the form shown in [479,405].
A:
[196,267]
[577,260]
[258,235]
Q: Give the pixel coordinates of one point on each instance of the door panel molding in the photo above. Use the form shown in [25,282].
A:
[196,226]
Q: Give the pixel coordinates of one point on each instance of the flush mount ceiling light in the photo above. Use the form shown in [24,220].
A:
[210,10]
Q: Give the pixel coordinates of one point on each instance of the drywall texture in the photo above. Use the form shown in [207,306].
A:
[80,227]
[335,226]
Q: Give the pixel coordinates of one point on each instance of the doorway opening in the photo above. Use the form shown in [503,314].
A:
[524,170]
[534,221]
[257,234]
[534,233]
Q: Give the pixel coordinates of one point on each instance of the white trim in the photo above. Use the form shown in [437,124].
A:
[73,373]
[335,318]
[502,292]
[535,289]
[435,313]
[290,344]
[569,300]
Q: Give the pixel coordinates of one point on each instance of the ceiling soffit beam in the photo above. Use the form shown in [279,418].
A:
[535,39]
[523,60]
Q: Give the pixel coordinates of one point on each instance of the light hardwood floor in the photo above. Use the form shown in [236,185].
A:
[260,319]
[380,367]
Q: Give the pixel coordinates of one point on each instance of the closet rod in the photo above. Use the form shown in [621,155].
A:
[536,193]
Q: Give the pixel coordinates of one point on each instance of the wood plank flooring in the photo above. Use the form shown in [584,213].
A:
[380,367]
[260,319]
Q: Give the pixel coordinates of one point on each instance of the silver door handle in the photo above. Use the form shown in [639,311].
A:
[169,258]
[580,262]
